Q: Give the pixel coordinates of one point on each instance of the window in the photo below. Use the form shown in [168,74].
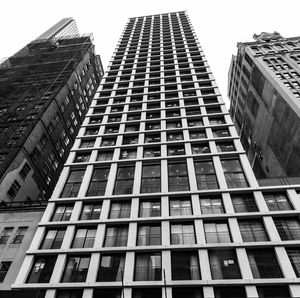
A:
[253,230]
[147,266]
[84,238]
[178,177]
[230,292]
[273,291]
[106,142]
[53,239]
[14,189]
[124,180]
[224,265]
[185,266]
[90,211]
[82,157]
[200,148]
[76,269]
[107,293]
[263,263]
[205,174]
[72,184]
[87,143]
[294,256]
[152,138]
[217,232]
[98,182]
[19,235]
[243,203]
[111,268]
[149,235]
[177,136]
[25,171]
[146,293]
[62,213]
[220,133]
[105,155]
[234,174]
[41,270]
[120,209]
[6,233]
[150,179]
[116,236]
[277,202]
[180,207]
[151,152]
[4,267]
[149,208]
[288,229]
[128,154]
[176,150]
[186,292]
[182,234]
[70,293]
[212,205]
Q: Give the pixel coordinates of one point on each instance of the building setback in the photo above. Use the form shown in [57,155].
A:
[45,91]
[157,197]
[264,91]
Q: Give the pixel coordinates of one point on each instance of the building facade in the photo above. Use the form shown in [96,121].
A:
[264,91]
[45,91]
[157,197]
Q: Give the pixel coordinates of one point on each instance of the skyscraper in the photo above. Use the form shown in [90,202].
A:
[45,90]
[264,90]
[157,198]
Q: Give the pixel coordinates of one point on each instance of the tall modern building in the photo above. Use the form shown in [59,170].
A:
[158,198]
[264,90]
[45,91]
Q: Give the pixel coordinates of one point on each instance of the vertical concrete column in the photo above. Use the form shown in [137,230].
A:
[271,228]
[127,292]
[93,268]
[295,290]
[37,239]
[87,293]
[85,181]
[260,201]
[219,172]
[199,230]
[251,292]
[244,263]
[294,198]
[137,178]
[165,233]
[208,292]
[248,171]
[235,231]
[238,146]
[134,208]
[76,211]
[132,234]
[25,268]
[284,262]
[111,180]
[50,294]
[196,204]
[59,186]
[164,176]
[129,268]
[227,203]
[100,234]
[166,264]
[164,206]
[191,174]
[204,264]
[105,209]
[48,212]
[58,268]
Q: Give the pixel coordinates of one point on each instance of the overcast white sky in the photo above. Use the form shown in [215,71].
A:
[219,24]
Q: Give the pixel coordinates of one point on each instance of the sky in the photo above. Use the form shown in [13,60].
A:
[219,24]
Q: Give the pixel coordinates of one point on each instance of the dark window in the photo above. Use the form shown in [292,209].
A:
[120,209]
[263,263]
[72,184]
[82,157]
[76,269]
[149,235]
[150,179]
[230,292]
[147,293]
[277,201]
[288,229]
[19,235]
[151,152]
[200,148]
[147,266]
[243,203]
[116,236]
[294,256]
[234,174]
[224,265]
[4,267]
[124,180]
[14,189]
[87,143]
[253,230]
[53,239]
[69,293]
[84,238]
[105,155]
[187,292]
[98,182]
[111,268]
[185,266]
[6,233]
[225,147]
[205,174]
[25,171]
[212,205]
[90,211]
[128,154]
[41,270]
[107,293]
[273,292]
[176,150]
[149,208]
[178,177]
[62,213]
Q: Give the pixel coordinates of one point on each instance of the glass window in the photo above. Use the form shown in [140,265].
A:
[151,152]
[53,239]
[76,269]
[105,155]
[116,236]
[62,213]
[147,266]
[149,208]
[273,291]
[187,292]
[149,235]
[288,229]
[205,174]
[152,138]
[146,293]
[72,184]
[107,293]
[150,179]
[178,177]
[124,180]
[234,174]
[230,292]
[4,267]
[82,157]
[84,238]
[182,234]
[174,136]
[176,150]
[277,201]
[243,203]
[70,293]
[87,143]
[98,182]
[6,233]
[90,211]
[225,147]
[13,190]
[41,270]
[253,230]
[197,134]
[211,205]
[185,266]
[180,207]
[111,268]
[224,265]
[294,256]
[263,263]
[217,232]
[25,171]
[128,154]
[220,133]
[120,209]
[200,148]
